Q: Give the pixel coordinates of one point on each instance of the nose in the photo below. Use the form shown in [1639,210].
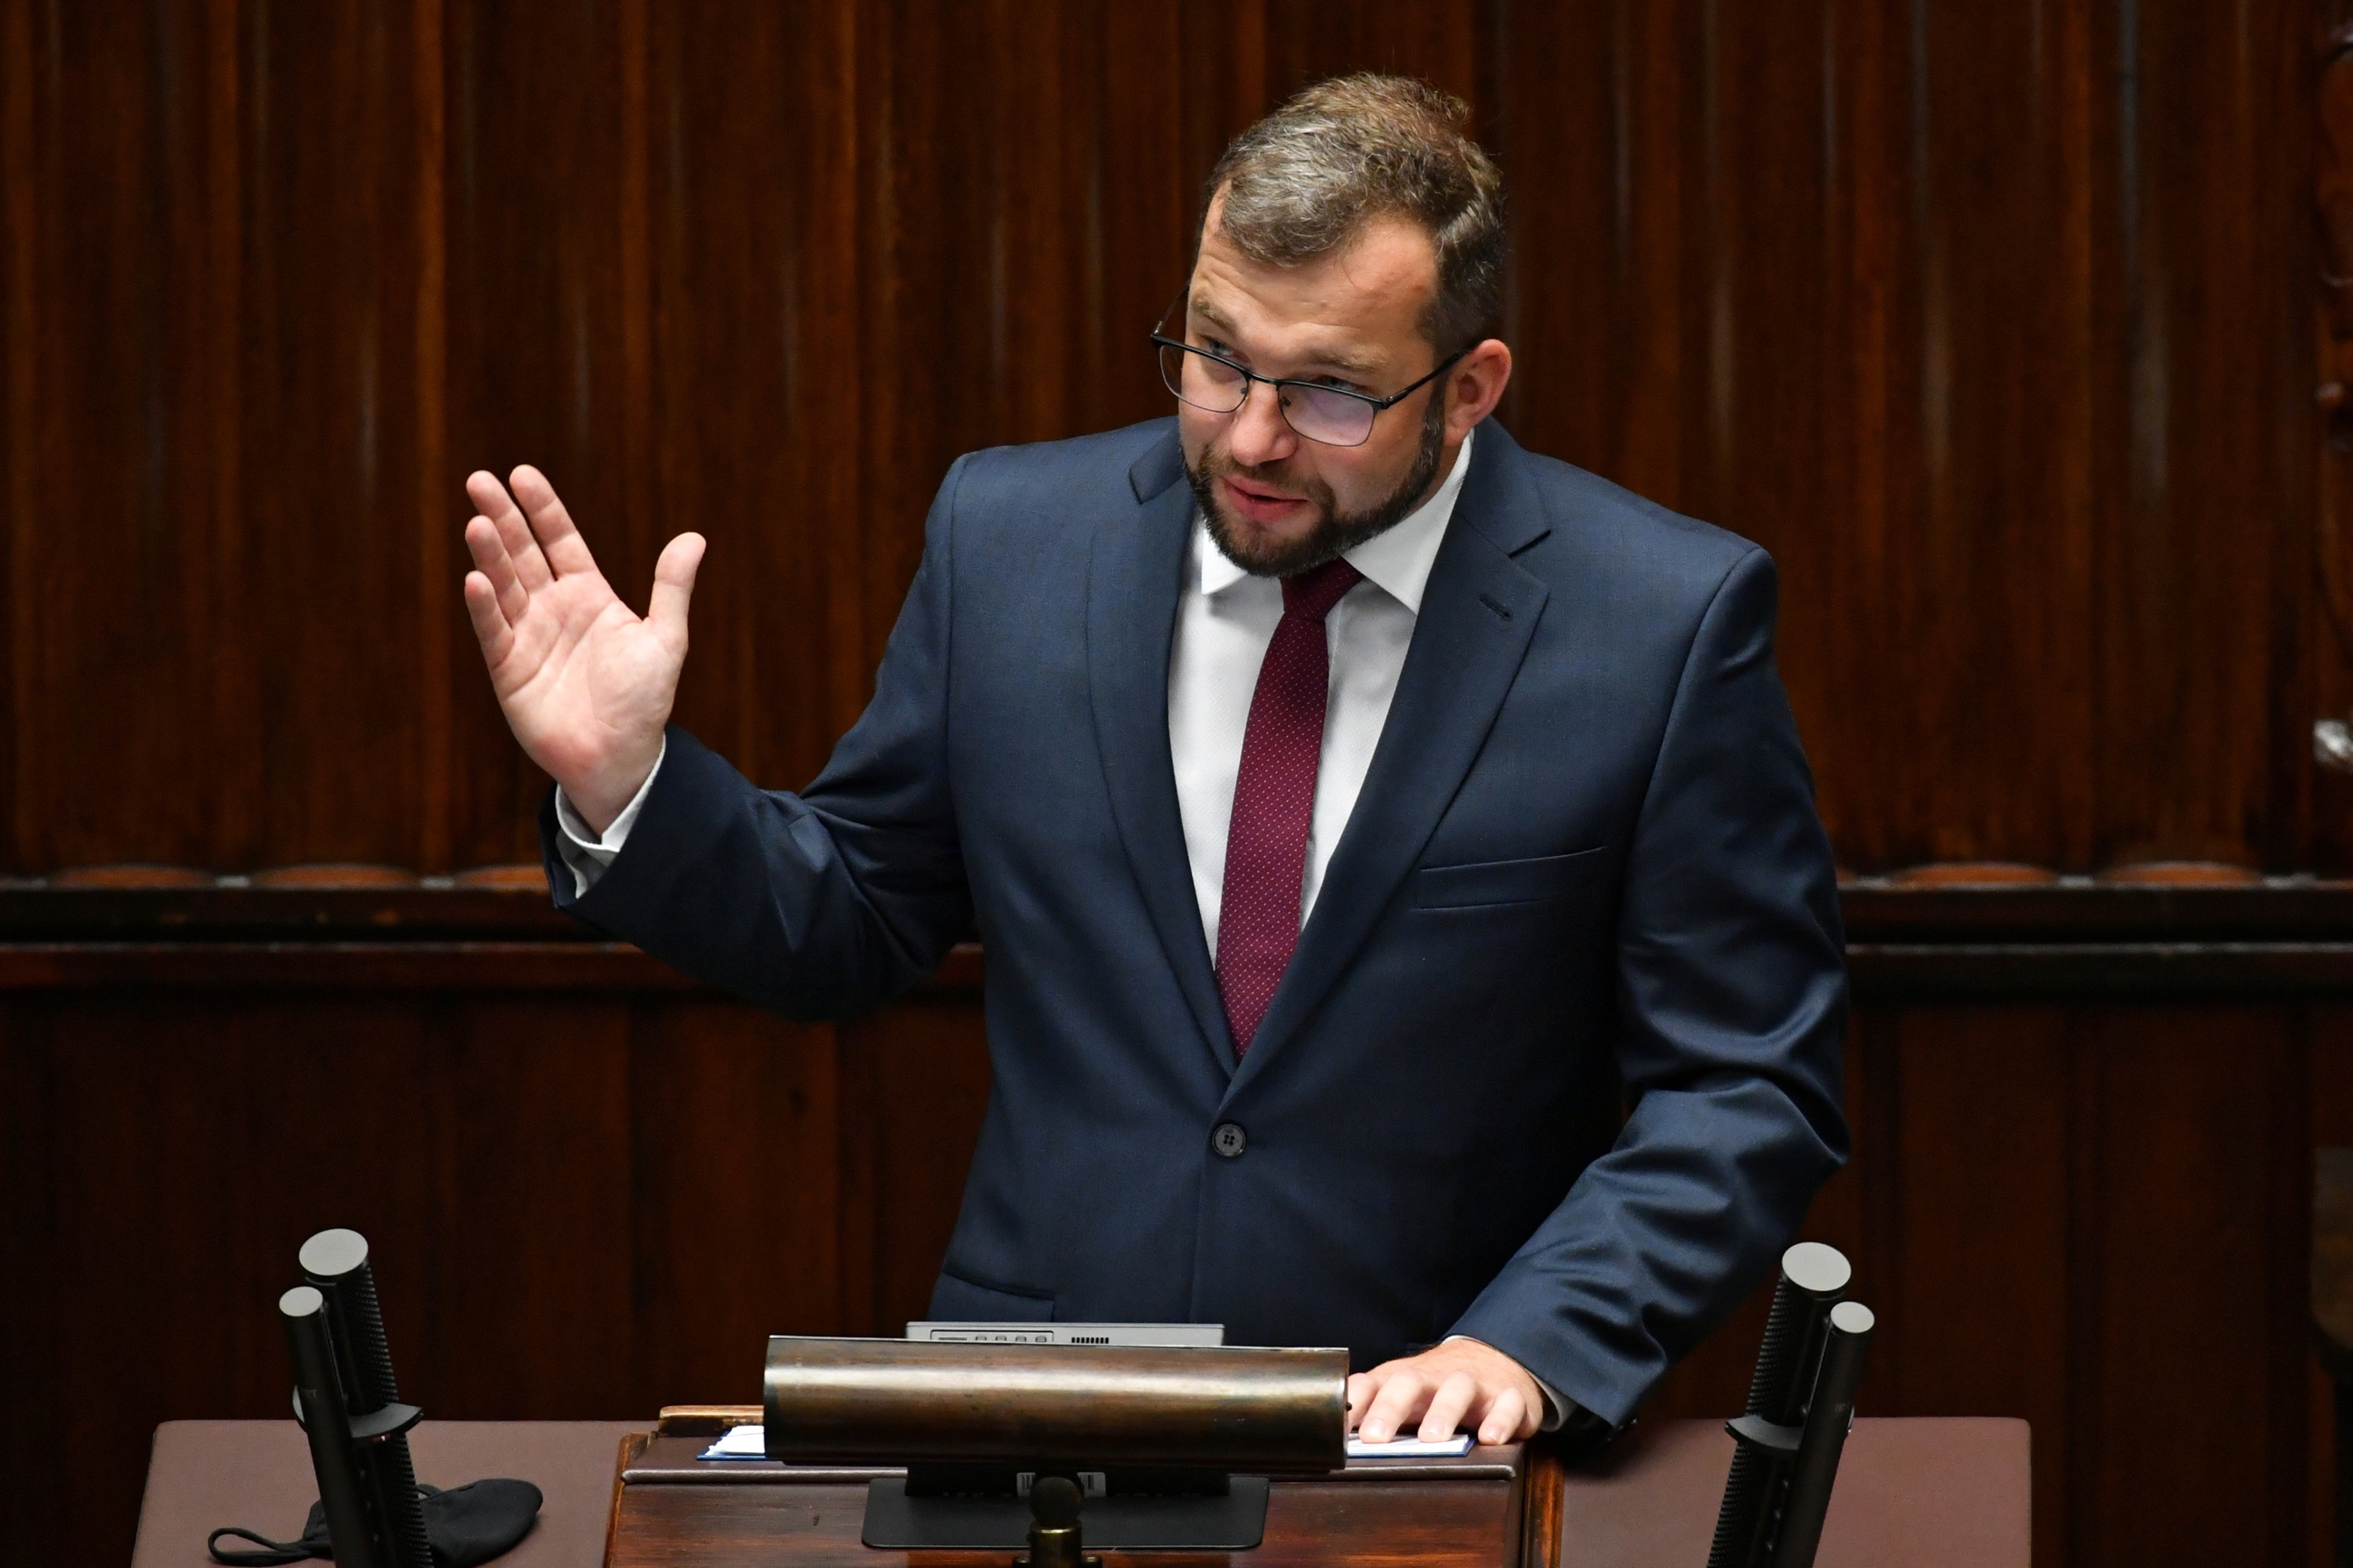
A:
[1259,433]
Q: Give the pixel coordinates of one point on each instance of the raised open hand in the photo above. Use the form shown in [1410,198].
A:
[586,685]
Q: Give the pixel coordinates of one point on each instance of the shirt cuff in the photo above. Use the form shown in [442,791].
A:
[1558,1407]
[589,853]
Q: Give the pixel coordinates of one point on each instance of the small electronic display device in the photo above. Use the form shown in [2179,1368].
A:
[1210,1335]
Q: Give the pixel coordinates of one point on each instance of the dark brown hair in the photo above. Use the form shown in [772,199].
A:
[1302,181]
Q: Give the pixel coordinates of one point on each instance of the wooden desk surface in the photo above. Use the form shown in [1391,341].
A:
[204,1474]
[1912,1493]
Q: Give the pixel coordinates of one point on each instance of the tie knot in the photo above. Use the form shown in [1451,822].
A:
[1312,594]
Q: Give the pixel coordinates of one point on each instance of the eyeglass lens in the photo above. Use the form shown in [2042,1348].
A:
[1333,418]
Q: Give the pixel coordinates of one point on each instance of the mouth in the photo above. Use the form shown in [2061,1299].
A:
[1261,504]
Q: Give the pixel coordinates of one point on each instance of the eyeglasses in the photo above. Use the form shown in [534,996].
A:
[1330,415]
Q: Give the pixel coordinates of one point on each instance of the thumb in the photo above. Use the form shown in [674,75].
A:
[674,586]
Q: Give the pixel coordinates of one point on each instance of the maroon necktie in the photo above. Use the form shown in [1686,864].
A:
[1274,800]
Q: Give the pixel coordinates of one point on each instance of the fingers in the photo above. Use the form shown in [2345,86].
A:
[1398,1400]
[491,624]
[1462,1386]
[1448,1406]
[674,586]
[482,488]
[489,549]
[524,558]
[550,525]
[1506,1420]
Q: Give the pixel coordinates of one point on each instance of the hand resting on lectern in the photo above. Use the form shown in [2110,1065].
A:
[1460,1384]
[587,684]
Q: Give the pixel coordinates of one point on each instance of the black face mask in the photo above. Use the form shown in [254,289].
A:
[466,1525]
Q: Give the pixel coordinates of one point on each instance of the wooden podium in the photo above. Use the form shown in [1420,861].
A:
[1493,1507]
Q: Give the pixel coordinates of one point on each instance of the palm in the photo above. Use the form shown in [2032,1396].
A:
[585,683]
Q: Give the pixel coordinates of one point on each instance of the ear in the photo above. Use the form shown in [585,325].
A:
[1475,386]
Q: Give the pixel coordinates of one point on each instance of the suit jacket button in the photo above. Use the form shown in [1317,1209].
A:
[1229,1140]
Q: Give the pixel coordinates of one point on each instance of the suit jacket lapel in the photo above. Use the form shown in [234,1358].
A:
[1478,612]
[1134,582]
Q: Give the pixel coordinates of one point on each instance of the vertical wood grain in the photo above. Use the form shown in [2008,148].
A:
[1990,321]
[1976,1317]
[437,487]
[326,583]
[914,1085]
[2204,228]
[735,1206]
[535,366]
[2186,1219]
[21,438]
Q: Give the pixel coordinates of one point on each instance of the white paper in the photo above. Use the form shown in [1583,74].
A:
[739,1442]
[1406,1446]
[750,1443]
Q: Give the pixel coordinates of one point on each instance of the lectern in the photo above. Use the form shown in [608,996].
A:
[886,1452]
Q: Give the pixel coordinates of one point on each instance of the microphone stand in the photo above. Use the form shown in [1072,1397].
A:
[1801,1405]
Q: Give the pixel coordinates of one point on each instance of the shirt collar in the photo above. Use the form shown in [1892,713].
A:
[1397,561]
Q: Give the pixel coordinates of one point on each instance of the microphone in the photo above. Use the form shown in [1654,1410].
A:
[335,1262]
[319,1396]
[1828,1420]
[1813,1277]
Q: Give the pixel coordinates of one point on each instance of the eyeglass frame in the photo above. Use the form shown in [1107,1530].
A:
[1161,339]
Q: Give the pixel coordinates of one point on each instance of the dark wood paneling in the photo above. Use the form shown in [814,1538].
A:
[914,1086]
[594,1200]
[537,368]
[1976,1234]
[581,1206]
[735,1173]
[1994,323]
[746,154]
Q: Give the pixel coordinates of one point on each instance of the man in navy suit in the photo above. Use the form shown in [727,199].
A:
[1409,926]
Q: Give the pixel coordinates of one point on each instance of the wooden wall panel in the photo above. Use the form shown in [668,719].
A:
[1979,1164]
[914,1086]
[1920,304]
[2182,1240]
[1992,322]
[2088,1215]
[123,292]
[318,538]
[755,284]
[2097,1219]
[2204,425]
[545,1223]
[580,1206]
[541,323]
[733,1169]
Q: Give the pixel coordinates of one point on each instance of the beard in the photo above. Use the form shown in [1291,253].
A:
[1336,532]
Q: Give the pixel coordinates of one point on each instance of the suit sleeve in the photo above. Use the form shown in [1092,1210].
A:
[1732,985]
[814,905]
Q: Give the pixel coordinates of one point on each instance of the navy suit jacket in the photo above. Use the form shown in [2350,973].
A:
[1556,1064]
